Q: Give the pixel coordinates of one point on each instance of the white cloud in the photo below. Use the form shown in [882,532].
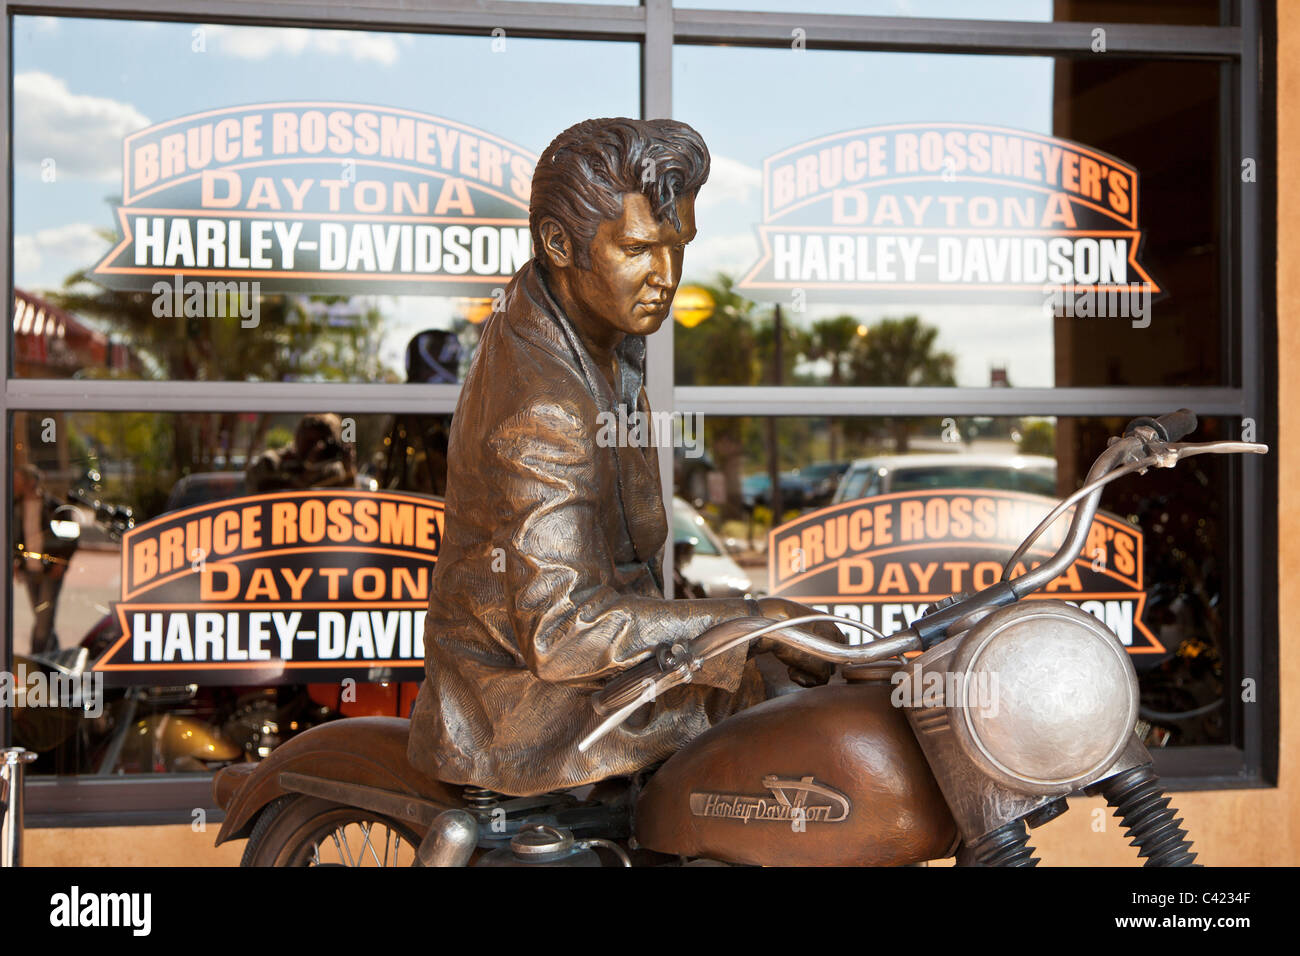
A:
[45,258]
[260,43]
[730,180]
[82,134]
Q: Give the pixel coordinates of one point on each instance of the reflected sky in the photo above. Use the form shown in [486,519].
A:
[82,85]
[749,104]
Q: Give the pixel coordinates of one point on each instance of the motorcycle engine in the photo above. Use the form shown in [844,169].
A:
[542,845]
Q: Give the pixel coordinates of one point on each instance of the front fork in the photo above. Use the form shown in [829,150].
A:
[1146,815]
[1148,819]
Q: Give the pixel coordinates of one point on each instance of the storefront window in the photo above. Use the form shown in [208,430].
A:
[957,495]
[291,205]
[232,249]
[1022,210]
[284,524]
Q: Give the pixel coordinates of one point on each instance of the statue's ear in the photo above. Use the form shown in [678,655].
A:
[557,246]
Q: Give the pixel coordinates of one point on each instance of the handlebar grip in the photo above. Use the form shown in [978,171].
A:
[1172,427]
[1178,425]
[626,687]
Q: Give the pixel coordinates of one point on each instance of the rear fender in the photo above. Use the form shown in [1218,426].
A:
[368,751]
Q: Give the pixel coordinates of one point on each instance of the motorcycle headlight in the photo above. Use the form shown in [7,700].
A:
[1046,697]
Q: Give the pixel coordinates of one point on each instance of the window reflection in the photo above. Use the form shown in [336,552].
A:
[207,229]
[85,482]
[1196,12]
[1017,209]
[958,494]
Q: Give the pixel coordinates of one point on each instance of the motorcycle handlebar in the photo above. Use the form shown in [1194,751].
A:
[1134,452]
[643,682]
[686,658]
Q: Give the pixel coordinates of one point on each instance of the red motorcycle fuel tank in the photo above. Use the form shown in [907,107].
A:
[829,776]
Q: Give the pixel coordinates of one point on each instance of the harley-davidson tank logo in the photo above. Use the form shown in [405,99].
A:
[792,801]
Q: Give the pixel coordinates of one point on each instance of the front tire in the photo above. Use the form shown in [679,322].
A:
[298,830]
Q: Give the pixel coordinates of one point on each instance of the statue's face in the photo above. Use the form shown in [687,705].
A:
[636,264]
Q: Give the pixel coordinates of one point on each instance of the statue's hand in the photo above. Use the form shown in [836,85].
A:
[805,670]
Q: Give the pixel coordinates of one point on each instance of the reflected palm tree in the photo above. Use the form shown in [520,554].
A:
[901,352]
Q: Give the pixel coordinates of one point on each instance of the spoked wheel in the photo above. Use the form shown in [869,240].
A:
[298,830]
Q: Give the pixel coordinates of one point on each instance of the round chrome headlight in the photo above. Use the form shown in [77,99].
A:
[1046,697]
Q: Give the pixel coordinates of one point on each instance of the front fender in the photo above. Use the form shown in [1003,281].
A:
[365,750]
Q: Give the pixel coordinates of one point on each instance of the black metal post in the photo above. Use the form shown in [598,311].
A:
[773,451]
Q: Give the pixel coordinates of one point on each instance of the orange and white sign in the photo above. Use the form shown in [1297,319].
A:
[946,208]
[884,560]
[322,197]
[294,585]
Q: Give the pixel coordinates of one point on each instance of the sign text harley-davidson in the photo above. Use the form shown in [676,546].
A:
[951,210]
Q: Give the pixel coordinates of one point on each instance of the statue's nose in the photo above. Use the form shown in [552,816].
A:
[662,273]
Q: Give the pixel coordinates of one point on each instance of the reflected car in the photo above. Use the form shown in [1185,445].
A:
[868,477]
[710,566]
[823,479]
[200,488]
[796,490]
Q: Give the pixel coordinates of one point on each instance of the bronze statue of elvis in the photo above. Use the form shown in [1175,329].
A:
[548,578]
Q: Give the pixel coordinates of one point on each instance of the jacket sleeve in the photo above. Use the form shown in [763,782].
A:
[571,623]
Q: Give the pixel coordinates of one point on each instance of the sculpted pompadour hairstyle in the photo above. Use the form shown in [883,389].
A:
[581,177]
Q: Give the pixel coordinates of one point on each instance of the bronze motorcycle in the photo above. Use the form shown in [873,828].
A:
[908,760]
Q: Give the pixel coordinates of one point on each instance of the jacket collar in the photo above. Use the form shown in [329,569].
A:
[630,352]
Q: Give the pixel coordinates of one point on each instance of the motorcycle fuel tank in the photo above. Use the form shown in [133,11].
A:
[829,776]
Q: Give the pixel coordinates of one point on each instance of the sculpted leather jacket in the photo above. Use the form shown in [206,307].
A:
[547,580]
